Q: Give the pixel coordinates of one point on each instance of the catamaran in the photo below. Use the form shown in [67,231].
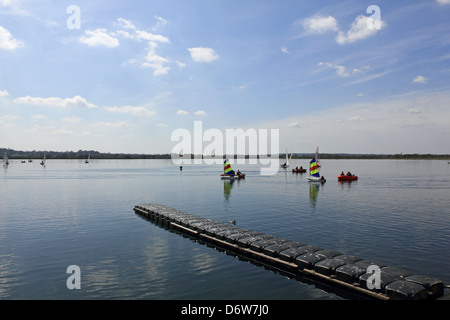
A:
[229,173]
[314,167]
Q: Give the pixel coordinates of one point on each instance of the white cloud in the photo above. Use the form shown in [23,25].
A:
[99,37]
[7,3]
[75,102]
[295,124]
[443,1]
[284,49]
[358,30]
[13,7]
[320,24]
[160,22]
[202,54]
[5,120]
[133,110]
[420,79]
[7,41]
[103,124]
[375,125]
[10,117]
[73,119]
[4,93]
[125,34]
[200,113]
[38,117]
[182,113]
[340,70]
[125,23]
[144,35]
[63,132]
[414,110]
[155,61]
[180,64]
[355,118]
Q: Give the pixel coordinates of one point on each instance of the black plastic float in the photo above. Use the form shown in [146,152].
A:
[306,263]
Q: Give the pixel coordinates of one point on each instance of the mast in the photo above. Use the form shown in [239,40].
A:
[317,157]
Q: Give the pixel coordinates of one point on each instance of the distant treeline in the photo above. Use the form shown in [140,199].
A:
[80,154]
[83,154]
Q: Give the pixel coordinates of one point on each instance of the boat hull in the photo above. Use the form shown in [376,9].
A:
[314,179]
[298,170]
[231,177]
[347,178]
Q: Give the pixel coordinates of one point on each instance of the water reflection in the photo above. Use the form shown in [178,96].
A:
[313,193]
[227,185]
[347,184]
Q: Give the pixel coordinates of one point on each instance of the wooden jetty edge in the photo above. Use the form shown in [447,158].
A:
[331,270]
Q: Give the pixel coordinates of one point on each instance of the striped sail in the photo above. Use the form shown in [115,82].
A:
[227,168]
[313,168]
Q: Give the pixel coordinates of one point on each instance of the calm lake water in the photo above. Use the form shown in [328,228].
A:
[72,213]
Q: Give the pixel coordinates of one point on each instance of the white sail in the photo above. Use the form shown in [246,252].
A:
[288,159]
[5,159]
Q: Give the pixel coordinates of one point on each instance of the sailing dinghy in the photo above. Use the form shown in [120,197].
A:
[314,167]
[286,164]
[229,173]
[5,160]
[43,161]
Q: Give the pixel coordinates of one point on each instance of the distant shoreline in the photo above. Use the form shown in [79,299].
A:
[83,154]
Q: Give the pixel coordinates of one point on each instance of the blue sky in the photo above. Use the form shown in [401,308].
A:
[134,71]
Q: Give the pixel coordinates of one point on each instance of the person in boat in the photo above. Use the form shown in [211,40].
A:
[349,174]
[296,168]
[301,167]
[322,178]
[342,173]
[238,172]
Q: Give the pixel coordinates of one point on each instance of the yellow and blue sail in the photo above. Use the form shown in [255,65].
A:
[227,168]
[314,168]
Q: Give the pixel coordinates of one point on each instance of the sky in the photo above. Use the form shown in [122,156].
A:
[122,76]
